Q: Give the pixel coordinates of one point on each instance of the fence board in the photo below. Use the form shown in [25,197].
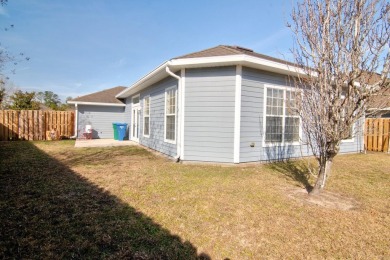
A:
[6,118]
[33,124]
[377,134]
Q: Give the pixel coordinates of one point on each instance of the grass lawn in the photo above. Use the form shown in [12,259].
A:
[57,201]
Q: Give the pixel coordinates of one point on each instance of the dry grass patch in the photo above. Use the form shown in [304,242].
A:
[220,212]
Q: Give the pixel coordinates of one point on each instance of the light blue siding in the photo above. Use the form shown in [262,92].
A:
[252,114]
[209,114]
[252,117]
[100,118]
[155,140]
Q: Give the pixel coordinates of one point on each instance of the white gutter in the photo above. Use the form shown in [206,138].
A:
[229,60]
[179,111]
[134,88]
[96,104]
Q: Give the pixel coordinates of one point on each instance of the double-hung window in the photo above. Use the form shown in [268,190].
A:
[281,119]
[170,115]
[146,116]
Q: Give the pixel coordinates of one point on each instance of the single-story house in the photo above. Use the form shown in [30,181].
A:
[223,104]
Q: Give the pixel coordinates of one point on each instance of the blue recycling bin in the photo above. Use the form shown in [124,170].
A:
[121,128]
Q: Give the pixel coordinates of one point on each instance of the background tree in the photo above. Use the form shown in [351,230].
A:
[23,101]
[343,48]
[49,99]
[2,92]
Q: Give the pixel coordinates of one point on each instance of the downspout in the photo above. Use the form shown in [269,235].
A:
[178,143]
[76,122]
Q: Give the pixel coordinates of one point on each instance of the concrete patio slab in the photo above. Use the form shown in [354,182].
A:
[103,143]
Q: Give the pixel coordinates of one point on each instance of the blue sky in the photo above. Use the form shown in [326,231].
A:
[83,46]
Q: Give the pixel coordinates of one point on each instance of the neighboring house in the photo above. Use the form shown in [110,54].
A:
[223,104]
[380,105]
[99,110]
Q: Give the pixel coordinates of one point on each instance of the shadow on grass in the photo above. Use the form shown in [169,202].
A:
[49,211]
[295,170]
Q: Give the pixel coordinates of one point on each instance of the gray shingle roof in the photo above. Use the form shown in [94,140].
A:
[104,96]
[224,50]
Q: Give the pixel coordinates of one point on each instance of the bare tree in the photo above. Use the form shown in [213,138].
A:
[5,58]
[343,48]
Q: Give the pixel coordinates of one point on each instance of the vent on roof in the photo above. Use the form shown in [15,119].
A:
[242,48]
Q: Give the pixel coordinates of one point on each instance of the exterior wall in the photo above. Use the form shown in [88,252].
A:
[357,143]
[100,118]
[157,116]
[252,117]
[209,114]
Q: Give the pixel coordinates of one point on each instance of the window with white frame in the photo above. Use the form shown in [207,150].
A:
[146,116]
[170,114]
[281,121]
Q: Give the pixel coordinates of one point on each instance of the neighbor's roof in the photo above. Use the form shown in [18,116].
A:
[221,55]
[106,97]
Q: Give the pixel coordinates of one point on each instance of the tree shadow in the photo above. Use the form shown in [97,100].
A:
[49,211]
[295,170]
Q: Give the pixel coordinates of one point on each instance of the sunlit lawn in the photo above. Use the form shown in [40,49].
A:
[57,201]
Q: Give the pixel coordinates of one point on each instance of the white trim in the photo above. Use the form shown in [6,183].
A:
[143,116]
[237,114]
[76,121]
[134,88]
[241,59]
[283,143]
[96,104]
[165,115]
[136,106]
[228,60]
[380,109]
[182,114]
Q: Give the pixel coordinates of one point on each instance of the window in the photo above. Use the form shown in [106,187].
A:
[146,116]
[281,122]
[170,115]
[136,100]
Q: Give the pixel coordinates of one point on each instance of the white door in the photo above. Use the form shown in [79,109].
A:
[135,123]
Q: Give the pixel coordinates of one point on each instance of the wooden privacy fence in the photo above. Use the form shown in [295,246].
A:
[35,124]
[376,134]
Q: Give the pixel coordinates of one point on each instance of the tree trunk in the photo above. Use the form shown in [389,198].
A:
[323,175]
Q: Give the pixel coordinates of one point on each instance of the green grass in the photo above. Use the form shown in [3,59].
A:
[57,201]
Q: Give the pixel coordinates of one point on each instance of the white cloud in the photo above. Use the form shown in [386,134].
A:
[278,38]
[119,63]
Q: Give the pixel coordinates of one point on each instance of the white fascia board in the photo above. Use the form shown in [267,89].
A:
[229,60]
[380,109]
[245,60]
[150,78]
[96,104]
